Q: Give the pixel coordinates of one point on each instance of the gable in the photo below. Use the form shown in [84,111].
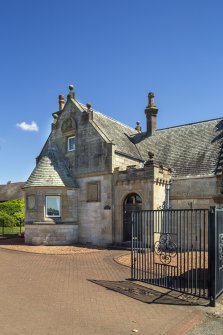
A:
[92,149]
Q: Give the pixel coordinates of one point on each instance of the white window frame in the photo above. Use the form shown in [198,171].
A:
[53,196]
[68,141]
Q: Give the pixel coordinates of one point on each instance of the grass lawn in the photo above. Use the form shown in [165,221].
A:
[11,230]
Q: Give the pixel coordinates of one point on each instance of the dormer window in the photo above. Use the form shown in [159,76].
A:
[71,143]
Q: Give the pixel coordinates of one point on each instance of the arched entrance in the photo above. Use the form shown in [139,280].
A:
[132,202]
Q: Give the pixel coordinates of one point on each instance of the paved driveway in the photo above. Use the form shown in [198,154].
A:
[53,294]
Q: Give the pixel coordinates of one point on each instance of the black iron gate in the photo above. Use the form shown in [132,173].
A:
[216,253]
[179,249]
[170,249]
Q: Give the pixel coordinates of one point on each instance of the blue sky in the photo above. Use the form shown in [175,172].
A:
[114,52]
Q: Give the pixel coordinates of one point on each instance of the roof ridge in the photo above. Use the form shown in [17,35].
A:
[110,118]
[106,116]
[190,124]
[13,183]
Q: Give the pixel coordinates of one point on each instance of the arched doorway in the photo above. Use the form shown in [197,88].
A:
[132,202]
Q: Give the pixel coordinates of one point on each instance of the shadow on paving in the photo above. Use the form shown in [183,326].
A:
[11,240]
[149,295]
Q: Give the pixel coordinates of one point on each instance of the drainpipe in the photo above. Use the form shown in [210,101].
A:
[168,195]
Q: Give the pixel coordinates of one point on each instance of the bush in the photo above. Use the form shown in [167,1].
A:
[7,220]
[12,213]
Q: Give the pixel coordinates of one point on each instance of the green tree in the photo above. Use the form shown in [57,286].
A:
[12,213]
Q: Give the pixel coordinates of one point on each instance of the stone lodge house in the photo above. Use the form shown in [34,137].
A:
[92,170]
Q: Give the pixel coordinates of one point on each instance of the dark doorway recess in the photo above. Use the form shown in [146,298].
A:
[132,203]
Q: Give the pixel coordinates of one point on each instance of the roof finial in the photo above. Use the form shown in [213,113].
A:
[88,105]
[138,127]
[151,155]
[71,94]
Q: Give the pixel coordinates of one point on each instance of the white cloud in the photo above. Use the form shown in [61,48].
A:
[28,127]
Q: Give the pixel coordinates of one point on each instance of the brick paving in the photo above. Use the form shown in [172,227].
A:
[53,294]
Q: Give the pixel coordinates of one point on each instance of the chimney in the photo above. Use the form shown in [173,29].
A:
[151,113]
[61,102]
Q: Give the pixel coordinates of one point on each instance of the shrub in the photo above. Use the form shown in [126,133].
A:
[7,220]
[12,213]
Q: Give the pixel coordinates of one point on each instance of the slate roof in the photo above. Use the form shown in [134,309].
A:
[11,191]
[51,170]
[191,149]
[119,133]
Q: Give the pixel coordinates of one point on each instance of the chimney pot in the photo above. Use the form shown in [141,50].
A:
[61,102]
[151,96]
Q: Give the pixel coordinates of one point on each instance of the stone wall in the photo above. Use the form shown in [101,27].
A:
[95,217]
[195,192]
[48,234]
[122,162]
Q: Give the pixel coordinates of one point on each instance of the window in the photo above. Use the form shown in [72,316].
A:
[71,143]
[53,206]
[93,191]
